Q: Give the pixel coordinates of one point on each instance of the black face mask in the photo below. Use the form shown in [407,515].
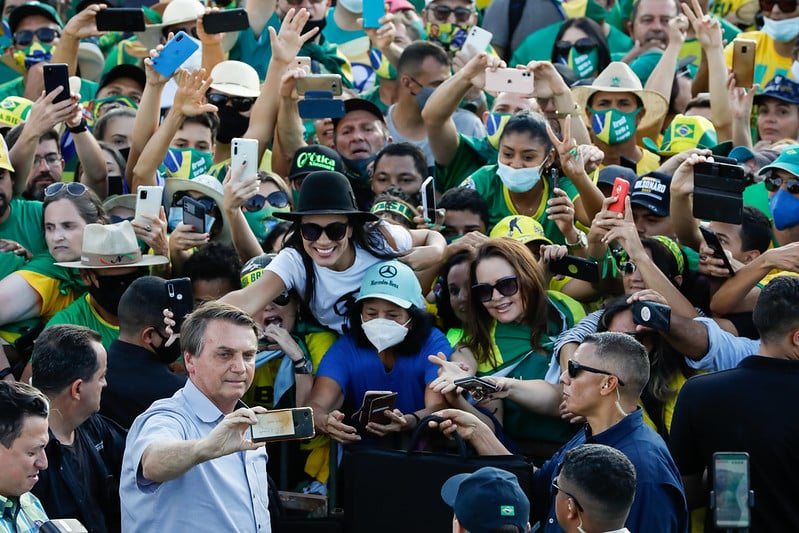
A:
[166,354]
[111,288]
[231,124]
[125,153]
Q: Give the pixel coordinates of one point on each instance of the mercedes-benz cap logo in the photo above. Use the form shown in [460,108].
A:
[387,271]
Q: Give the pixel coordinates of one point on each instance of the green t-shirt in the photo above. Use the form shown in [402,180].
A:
[24,225]
[473,153]
[10,263]
[81,313]
[486,182]
[539,44]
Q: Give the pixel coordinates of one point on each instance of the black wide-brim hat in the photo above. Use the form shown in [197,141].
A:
[326,193]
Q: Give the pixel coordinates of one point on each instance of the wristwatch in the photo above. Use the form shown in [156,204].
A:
[582,241]
[80,128]
[303,366]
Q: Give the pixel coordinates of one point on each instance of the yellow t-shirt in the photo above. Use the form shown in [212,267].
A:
[53,300]
[768,63]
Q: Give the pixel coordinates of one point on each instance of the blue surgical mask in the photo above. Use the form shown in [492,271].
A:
[785,209]
[783,31]
[518,179]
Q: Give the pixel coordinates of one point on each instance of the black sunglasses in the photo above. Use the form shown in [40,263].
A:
[334,231]
[556,488]
[44,35]
[282,299]
[786,6]
[442,13]
[574,369]
[583,46]
[73,188]
[238,103]
[773,183]
[627,268]
[507,286]
[275,199]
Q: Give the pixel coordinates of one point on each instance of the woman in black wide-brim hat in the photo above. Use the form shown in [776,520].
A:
[331,245]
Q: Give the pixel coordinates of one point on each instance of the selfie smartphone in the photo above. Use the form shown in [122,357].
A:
[743,62]
[731,497]
[226,20]
[284,424]
[180,298]
[148,202]
[320,83]
[373,11]
[718,190]
[479,39]
[510,80]
[712,240]
[476,387]
[57,75]
[576,267]
[653,315]
[374,407]
[244,152]
[194,214]
[174,54]
[122,19]
[429,199]
[621,188]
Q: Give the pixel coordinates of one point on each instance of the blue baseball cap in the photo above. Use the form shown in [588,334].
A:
[394,282]
[781,88]
[487,499]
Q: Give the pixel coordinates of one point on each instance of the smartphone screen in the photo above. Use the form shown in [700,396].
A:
[731,489]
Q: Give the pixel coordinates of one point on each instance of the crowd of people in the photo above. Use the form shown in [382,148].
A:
[578,243]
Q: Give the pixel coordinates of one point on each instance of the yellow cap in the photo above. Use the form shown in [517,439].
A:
[5,162]
[521,228]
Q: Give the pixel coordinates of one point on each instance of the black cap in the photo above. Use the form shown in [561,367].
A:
[651,191]
[609,174]
[359,104]
[124,71]
[312,158]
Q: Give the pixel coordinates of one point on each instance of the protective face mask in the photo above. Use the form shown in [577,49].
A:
[613,126]
[782,31]
[262,222]
[231,124]
[111,288]
[519,179]
[423,95]
[166,354]
[185,163]
[785,209]
[357,168]
[384,333]
[35,53]
[584,65]
[451,36]
[176,217]
[495,123]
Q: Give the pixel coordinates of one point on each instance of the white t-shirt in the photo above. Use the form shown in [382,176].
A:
[332,286]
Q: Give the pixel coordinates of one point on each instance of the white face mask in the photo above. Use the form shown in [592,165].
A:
[782,31]
[384,333]
[518,179]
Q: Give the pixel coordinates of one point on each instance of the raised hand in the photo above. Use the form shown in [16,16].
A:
[190,96]
[288,41]
[707,29]
[238,188]
[567,150]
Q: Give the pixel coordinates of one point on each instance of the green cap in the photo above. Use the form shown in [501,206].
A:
[33,8]
[787,161]
[394,282]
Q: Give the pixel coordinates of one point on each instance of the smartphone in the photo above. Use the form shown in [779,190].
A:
[718,190]
[320,83]
[174,54]
[576,267]
[374,407]
[284,424]
[476,387]
[180,298]
[115,185]
[712,240]
[194,214]
[621,188]
[731,497]
[124,19]
[429,199]
[57,75]
[148,202]
[651,314]
[373,11]
[226,20]
[479,39]
[303,62]
[244,152]
[555,175]
[743,62]
[510,80]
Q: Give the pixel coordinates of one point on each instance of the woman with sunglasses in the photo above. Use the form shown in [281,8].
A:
[581,45]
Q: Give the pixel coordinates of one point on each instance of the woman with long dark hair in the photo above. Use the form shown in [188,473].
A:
[581,45]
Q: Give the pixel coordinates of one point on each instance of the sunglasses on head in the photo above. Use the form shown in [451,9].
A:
[73,188]
[786,6]
[238,103]
[574,369]
[583,46]
[442,13]
[44,35]
[275,199]
[335,231]
[773,183]
[507,286]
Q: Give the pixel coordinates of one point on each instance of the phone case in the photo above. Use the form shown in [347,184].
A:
[373,11]
[731,498]
[477,388]
[57,75]
[718,192]
[226,21]
[743,62]
[712,240]
[244,151]
[284,424]
[180,298]
[121,19]
[479,39]
[621,188]
[576,267]
[654,315]
[320,107]
[194,214]
[429,199]
[148,202]
[320,83]
[509,80]
[374,405]
[174,54]
[303,62]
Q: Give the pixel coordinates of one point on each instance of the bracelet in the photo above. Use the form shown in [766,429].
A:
[80,128]
[416,417]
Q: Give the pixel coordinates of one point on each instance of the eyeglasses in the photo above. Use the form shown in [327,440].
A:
[238,103]
[334,231]
[442,13]
[43,35]
[52,159]
[627,268]
[282,299]
[574,369]
[73,188]
[773,183]
[786,6]
[275,199]
[507,286]
[583,46]
[555,490]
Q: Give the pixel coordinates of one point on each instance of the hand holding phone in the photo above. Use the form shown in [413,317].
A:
[284,424]
[174,54]
[429,200]
[148,203]
[476,387]
[374,407]
[194,214]
[244,152]
[714,243]
[180,300]
[226,20]
[57,75]
[373,11]
[124,19]
[621,188]
[652,314]
[576,267]
[510,80]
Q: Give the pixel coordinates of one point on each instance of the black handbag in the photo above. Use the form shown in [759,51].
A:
[400,490]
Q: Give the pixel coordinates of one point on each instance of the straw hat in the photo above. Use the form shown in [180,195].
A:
[206,185]
[112,246]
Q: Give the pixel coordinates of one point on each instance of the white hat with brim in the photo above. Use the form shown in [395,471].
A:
[112,246]
[206,185]
[127,201]
[236,79]
[179,12]
[618,77]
